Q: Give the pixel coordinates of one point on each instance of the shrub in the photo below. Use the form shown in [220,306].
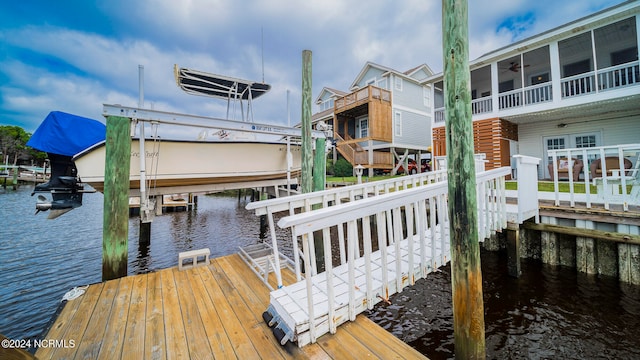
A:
[342,168]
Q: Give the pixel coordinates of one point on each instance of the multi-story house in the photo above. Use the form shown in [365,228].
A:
[384,119]
[574,86]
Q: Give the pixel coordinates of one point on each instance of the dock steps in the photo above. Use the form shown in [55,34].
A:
[261,260]
[288,314]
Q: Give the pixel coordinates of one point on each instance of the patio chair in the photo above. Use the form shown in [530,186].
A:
[612,163]
[563,168]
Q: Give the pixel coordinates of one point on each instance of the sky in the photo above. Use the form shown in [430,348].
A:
[76,55]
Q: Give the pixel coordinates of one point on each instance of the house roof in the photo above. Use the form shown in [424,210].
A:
[332,91]
[614,13]
[387,70]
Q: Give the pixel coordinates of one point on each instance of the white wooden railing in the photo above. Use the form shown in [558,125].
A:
[336,196]
[576,85]
[613,185]
[406,232]
[619,76]
[482,105]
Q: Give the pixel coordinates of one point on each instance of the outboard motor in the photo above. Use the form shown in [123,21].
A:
[64,186]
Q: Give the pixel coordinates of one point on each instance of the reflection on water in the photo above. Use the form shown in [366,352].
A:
[548,313]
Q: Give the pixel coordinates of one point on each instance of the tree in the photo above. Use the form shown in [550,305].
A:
[13,142]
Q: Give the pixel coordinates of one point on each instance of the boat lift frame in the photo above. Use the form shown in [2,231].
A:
[171,118]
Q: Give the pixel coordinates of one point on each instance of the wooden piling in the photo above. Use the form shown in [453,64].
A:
[115,228]
[466,276]
[307,150]
[513,252]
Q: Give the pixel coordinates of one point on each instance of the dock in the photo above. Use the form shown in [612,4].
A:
[206,312]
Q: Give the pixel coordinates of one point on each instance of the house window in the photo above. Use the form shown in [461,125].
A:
[382,84]
[327,104]
[398,83]
[364,127]
[397,123]
[426,96]
[584,141]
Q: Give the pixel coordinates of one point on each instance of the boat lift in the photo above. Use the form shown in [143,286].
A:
[234,91]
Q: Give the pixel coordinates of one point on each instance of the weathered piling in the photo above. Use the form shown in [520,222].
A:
[307,146]
[115,229]
[466,276]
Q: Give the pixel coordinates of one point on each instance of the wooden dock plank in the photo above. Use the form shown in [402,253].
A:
[369,334]
[60,328]
[155,346]
[175,336]
[194,329]
[77,325]
[240,340]
[221,346]
[113,340]
[260,336]
[89,346]
[134,334]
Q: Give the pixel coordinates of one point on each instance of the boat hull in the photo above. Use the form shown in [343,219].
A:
[172,163]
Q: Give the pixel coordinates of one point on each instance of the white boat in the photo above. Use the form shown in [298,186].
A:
[171,163]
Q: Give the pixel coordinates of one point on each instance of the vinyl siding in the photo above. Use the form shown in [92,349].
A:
[410,96]
[416,129]
[370,74]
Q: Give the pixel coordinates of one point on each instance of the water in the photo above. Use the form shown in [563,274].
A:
[549,312]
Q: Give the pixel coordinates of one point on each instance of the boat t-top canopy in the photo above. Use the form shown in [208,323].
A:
[224,87]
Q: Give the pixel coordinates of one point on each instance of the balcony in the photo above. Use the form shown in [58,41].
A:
[593,82]
[360,97]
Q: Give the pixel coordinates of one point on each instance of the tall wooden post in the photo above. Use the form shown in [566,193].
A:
[466,276]
[320,165]
[307,149]
[115,228]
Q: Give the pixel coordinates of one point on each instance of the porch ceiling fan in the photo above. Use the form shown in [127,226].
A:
[514,66]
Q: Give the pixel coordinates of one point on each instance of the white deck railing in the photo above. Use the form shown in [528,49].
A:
[612,185]
[336,196]
[392,240]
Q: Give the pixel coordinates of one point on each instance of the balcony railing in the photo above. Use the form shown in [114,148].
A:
[529,95]
[482,105]
[619,76]
[578,84]
[362,96]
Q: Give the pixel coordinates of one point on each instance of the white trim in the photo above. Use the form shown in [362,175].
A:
[395,83]
[426,95]
[411,110]
[397,123]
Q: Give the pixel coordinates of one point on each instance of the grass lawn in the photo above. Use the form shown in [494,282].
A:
[547,186]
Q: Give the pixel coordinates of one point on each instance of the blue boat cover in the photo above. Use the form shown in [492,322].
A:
[66,134]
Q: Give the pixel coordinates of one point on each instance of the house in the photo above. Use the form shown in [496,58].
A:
[385,118]
[574,86]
